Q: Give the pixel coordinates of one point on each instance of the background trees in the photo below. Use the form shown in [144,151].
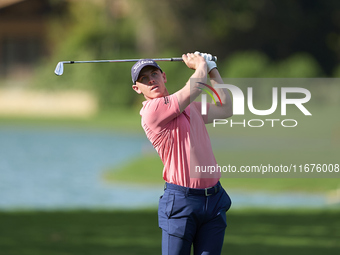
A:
[264,38]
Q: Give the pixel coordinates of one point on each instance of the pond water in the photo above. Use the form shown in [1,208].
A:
[50,169]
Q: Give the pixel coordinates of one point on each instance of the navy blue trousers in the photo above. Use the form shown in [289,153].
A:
[188,219]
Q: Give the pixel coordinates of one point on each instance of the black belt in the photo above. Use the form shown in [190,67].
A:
[203,192]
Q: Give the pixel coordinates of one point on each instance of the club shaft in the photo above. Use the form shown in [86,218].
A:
[120,60]
[60,67]
[124,60]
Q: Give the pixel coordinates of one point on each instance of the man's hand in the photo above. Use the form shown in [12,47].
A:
[193,61]
[208,58]
[191,90]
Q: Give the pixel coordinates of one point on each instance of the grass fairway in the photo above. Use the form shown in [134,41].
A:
[136,232]
[311,142]
[117,120]
[148,170]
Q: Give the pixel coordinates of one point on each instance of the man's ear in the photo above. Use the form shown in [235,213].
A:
[164,77]
[135,88]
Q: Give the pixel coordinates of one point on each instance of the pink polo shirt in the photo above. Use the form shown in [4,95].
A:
[181,140]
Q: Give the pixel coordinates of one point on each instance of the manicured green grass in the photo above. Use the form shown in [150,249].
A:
[148,170]
[315,140]
[137,232]
[122,120]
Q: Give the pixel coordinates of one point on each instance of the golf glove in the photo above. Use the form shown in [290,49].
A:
[208,58]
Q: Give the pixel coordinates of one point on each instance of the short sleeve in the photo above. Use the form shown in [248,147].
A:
[158,112]
[198,106]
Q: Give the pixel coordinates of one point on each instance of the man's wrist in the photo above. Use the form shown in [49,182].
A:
[202,65]
[212,70]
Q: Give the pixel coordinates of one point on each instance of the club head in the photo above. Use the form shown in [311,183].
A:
[59,70]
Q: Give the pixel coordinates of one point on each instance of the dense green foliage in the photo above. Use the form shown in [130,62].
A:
[251,39]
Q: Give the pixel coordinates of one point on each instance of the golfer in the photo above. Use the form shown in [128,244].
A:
[192,210]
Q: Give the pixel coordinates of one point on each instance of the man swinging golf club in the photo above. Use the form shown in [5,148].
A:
[192,211]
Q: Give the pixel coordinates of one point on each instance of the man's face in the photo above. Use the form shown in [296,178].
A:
[151,83]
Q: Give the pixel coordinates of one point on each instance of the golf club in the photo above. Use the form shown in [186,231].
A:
[59,70]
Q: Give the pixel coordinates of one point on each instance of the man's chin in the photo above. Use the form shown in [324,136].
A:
[154,96]
[157,94]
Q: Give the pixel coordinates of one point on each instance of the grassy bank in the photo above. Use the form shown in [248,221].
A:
[148,170]
[315,140]
[311,142]
[136,232]
[127,120]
